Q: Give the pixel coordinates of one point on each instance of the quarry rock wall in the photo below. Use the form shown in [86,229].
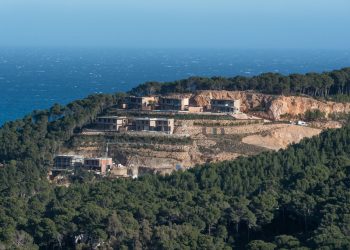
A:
[273,106]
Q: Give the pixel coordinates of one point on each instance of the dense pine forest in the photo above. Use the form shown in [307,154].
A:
[298,198]
[332,85]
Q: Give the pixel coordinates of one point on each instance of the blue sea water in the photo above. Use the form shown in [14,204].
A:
[37,78]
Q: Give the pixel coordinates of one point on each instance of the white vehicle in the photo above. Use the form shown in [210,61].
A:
[301,123]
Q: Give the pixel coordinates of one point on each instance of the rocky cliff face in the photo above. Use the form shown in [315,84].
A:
[249,100]
[294,105]
[273,106]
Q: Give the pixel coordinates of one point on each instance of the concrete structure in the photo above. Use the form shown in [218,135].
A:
[141,103]
[122,124]
[67,162]
[119,171]
[192,109]
[114,123]
[98,165]
[154,124]
[225,106]
[173,103]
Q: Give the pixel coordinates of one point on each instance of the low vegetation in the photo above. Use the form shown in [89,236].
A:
[129,138]
[314,115]
[230,124]
[177,116]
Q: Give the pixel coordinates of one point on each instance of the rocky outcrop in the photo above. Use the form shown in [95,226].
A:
[294,105]
[272,106]
[250,100]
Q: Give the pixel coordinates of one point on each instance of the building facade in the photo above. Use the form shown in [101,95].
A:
[98,165]
[225,106]
[122,124]
[154,124]
[140,103]
[167,103]
[114,123]
[67,162]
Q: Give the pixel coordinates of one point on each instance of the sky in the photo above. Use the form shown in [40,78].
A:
[239,24]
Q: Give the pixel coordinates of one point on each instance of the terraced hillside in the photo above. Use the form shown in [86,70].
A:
[193,142]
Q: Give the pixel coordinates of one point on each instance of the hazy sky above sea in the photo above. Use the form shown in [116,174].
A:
[240,24]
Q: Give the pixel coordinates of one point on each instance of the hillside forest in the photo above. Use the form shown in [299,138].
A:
[297,198]
[334,85]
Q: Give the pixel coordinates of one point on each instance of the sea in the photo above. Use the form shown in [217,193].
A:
[36,78]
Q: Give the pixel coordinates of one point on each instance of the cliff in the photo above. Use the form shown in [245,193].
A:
[272,106]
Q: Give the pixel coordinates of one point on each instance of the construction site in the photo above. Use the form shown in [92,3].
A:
[161,135]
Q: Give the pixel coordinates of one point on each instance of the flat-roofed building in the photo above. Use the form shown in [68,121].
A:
[114,123]
[173,103]
[98,165]
[67,162]
[225,105]
[154,124]
[141,103]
